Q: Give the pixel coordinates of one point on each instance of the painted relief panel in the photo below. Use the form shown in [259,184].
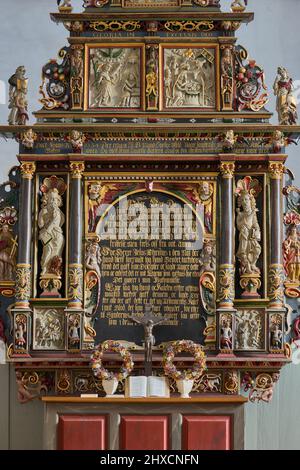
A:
[48,329]
[250,330]
[189,77]
[114,77]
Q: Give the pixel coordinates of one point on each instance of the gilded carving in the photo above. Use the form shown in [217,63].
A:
[249,249]
[28,139]
[50,222]
[286,101]
[207,261]
[188,26]
[55,88]
[189,78]
[20,333]
[208,383]
[27,170]
[115,25]
[291,255]
[74,331]
[8,244]
[227,82]
[238,6]
[115,78]
[76,76]
[77,169]
[48,329]
[276,170]
[64,6]
[18,104]
[226,332]
[231,382]
[227,169]
[276,279]
[226,285]
[64,383]
[152,83]
[75,293]
[276,332]
[249,330]
[261,389]
[30,386]
[23,284]
[92,284]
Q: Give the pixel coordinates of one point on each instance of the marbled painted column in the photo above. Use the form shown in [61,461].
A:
[276,272]
[226,290]
[23,270]
[75,269]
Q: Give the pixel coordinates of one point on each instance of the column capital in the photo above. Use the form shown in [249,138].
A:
[77,168]
[276,170]
[27,170]
[227,169]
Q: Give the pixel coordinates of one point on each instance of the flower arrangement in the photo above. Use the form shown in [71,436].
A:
[177,347]
[111,346]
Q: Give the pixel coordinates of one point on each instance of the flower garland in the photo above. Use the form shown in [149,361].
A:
[177,347]
[111,346]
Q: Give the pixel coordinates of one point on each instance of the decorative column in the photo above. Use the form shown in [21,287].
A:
[74,310]
[23,271]
[276,310]
[75,293]
[21,312]
[276,272]
[226,290]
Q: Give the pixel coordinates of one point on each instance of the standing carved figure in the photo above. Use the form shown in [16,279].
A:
[227,78]
[286,102]
[50,221]
[291,255]
[249,249]
[18,104]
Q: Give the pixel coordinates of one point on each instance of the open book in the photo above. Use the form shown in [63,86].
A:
[141,386]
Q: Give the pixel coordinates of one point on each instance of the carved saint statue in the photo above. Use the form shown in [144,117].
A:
[18,98]
[249,249]
[291,254]
[50,221]
[286,102]
[8,248]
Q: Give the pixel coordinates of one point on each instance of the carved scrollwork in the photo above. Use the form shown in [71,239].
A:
[226,285]
[23,283]
[188,26]
[115,25]
[276,279]
[55,87]
[231,382]
[261,388]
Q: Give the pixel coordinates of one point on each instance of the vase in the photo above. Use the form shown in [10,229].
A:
[110,386]
[184,387]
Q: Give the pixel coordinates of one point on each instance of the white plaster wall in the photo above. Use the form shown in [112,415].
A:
[28,37]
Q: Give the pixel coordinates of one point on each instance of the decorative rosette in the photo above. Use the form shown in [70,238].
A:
[177,347]
[111,346]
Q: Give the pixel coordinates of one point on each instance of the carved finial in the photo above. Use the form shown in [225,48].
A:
[238,6]
[286,101]
[64,6]
[18,104]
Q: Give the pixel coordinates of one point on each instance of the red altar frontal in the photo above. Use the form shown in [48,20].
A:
[150,196]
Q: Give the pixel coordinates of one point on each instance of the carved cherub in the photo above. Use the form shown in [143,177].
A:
[279,141]
[28,138]
[229,140]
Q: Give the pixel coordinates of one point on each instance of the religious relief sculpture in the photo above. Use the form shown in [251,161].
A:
[286,104]
[250,82]
[48,326]
[73,331]
[8,244]
[18,104]
[249,249]
[21,334]
[249,331]
[55,87]
[114,80]
[50,221]
[189,78]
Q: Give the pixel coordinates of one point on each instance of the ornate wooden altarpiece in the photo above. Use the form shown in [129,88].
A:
[152,102]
